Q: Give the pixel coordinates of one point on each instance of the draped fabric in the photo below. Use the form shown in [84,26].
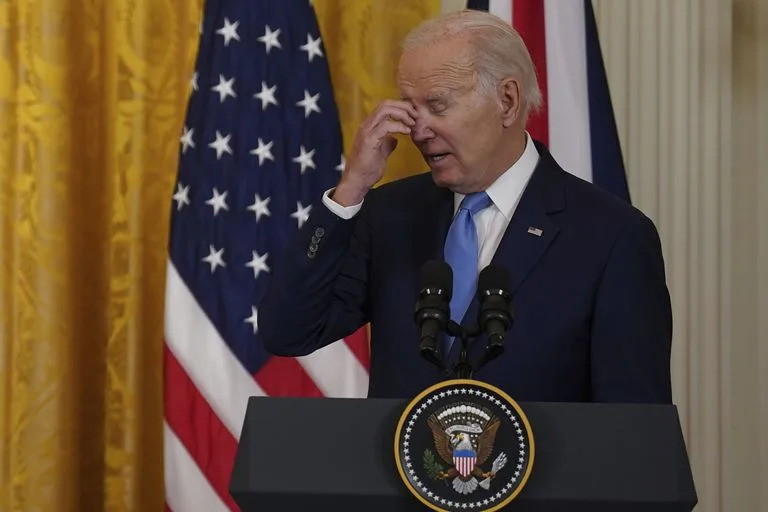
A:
[92,99]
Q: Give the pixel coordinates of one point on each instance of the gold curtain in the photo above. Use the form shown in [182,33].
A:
[92,99]
[92,95]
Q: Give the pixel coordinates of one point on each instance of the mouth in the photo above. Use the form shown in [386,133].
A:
[434,158]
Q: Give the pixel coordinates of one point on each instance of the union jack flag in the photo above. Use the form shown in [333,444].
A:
[576,121]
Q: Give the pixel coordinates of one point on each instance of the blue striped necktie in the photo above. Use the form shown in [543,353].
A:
[461,253]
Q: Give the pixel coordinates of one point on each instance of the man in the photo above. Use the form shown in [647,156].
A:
[592,311]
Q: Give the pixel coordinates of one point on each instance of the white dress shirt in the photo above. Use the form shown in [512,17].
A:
[491,222]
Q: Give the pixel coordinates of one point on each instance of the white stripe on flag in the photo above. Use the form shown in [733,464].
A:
[197,345]
[336,371]
[186,488]
[501,8]
[568,96]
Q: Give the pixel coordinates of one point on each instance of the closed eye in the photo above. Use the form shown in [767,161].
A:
[437,107]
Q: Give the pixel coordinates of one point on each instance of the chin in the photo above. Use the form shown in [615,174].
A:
[444,178]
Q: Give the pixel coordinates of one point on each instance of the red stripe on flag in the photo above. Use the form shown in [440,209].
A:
[358,344]
[528,20]
[199,429]
[284,376]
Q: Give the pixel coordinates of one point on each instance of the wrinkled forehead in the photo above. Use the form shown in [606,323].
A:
[442,65]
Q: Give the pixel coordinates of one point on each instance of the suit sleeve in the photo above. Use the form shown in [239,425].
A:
[632,323]
[317,293]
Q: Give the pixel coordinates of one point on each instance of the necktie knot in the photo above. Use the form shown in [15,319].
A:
[475,202]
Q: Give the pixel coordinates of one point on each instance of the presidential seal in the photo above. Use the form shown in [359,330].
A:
[464,445]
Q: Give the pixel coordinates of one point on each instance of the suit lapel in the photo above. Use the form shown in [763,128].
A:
[431,224]
[532,230]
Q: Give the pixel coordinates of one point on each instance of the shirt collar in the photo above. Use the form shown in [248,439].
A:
[508,188]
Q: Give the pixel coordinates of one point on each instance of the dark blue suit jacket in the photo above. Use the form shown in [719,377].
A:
[592,312]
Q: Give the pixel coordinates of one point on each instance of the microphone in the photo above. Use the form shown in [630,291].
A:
[495,315]
[433,309]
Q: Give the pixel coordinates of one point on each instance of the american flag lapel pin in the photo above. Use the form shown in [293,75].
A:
[535,231]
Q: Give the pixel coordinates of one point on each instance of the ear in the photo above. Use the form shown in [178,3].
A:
[510,96]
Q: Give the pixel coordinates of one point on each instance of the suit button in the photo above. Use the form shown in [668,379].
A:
[319,232]
[313,247]
[312,252]
[315,239]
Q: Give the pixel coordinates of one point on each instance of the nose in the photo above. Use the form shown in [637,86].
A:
[421,131]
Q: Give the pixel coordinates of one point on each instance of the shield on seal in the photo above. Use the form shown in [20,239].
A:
[464,460]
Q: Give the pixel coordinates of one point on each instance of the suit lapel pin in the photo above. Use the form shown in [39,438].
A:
[535,231]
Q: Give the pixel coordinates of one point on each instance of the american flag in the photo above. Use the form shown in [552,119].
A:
[260,143]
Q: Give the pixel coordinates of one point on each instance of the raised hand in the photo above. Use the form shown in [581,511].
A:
[374,142]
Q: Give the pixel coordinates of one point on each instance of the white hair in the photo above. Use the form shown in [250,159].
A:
[498,50]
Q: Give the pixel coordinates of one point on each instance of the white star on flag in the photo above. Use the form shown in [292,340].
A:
[186,139]
[193,82]
[215,258]
[266,95]
[225,88]
[258,263]
[309,103]
[260,207]
[270,39]
[229,31]
[302,213]
[305,159]
[312,47]
[218,201]
[181,196]
[253,320]
[264,151]
[221,145]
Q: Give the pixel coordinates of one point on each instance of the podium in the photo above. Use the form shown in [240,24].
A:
[298,454]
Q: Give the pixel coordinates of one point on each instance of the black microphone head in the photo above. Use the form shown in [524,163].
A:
[437,275]
[494,277]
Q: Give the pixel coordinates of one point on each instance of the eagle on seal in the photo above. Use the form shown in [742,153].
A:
[465,459]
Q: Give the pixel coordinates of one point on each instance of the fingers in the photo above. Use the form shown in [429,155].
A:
[390,118]
[396,110]
[374,142]
[389,127]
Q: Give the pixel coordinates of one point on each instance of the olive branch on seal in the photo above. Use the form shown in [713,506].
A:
[431,465]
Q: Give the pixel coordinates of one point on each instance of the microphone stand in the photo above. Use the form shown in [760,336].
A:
[464,369]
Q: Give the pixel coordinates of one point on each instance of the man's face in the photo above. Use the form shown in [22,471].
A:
[459,129]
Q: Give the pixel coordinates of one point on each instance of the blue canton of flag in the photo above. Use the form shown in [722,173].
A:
[260,144]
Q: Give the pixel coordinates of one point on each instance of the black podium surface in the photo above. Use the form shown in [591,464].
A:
[338,454]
